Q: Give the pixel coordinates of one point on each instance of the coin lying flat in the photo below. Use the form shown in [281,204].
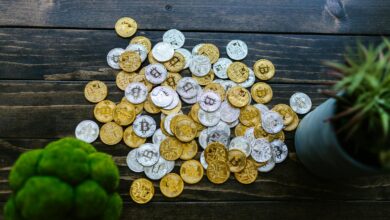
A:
[242,144]
[174,37]
[236,160]
[176,63]
[104,111]
[147,154]
[111,133]
[158,137]
[191,171]
[250,116]
[144,126]
[141,191]
[218,172]
[158,170]
[187,87]
[189,150]
[95,91]
[170,149]
[113,58]
[210,51]
[238,72]
[249,174]
[136,92]
[238,96]
[143,41]
[124,113]
[209,101]
[261,92]
[123,79]
[264,69]
[187,56]
[139,49]
[162,96]
[87,131]
[126,27]
[229,113]
[156,73]
[132,162]
[172,80]
[215,151]
[286,112]
[200,65]
[272,122]
[163,51]
[221,66]
[130,61]
[237,49]
[209,118]
[261,150]
[171,185]
[131,139]
[280,150]
[300,103]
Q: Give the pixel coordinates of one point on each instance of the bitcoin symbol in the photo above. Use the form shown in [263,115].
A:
[115,58]
[155,73]
[263,69]
[136,92]
[173,61]
[144,126]
[261,92]
[209,101]
[188,86]
[148,154]
[171,81]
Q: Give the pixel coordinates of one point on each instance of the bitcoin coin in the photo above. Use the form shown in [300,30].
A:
[293,125]
[272,122]
[104,111]
[141,191]
[189,150]
[217,171]
[185,129]
[242,144]
[209,101]
[172,80]
[236,160]
[113,58]
[238,96]
[261,150]
[163,51]
[171,185]
[95,91]
[240,129]
[162,96]
[144,126]
[174,37]
[229,113]
[143,41]
[111,133]
[155,73]
[209,119]
[300,103]
[129,61]
[147,154]
[262,108]
[176,63]
[210,51]
[187,87]
[170,149]
[217,88]
[87,131]
[187,56]
[238,72]
[286,112]
[249,174]
[136,92]
[261,92]
[221,66]
[215,151]
[264,69]
[123,79]
[139,49]
[131,139]
[158,137]
[280,150]
[132,162]
[142,79]
[151,58]
[177,109]
[124,114]
[200,65]
[191,171]
[259,132]
[250,80]
[158,170]
[250,116]
[204,80]
[237,49]
[126,27]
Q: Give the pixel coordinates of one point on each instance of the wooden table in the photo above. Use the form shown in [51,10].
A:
[49,49]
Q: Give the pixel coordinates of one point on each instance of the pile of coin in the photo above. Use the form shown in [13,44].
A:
[219,93]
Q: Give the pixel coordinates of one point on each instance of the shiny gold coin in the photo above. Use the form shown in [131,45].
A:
[249,174]
[217,88]
[104,111]
[129,61]
[144,41]
[191,171]
[163,128]
[260,133]
[171,185]
[194,112]
[174,110]
[280,135]
[264,69]
[286,112]
[261,92]
[172,80]
[142,71]
[184,129]
[150,107]
[95,91]
[250,116]
[151,59]
[236,160]
[189,150]
[138,107]
[211,51]
[238,96]
[126,27]
[294,124]
[238,72]
[240,130]
[170,149]
[124,114]
[141,191]
[176,63]
[215,151]
[142,79]
[204,80]
[111,133]
[123,79]
[218,172]
[131,139]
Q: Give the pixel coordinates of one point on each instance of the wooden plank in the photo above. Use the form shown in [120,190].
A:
[57,54]
[310,16]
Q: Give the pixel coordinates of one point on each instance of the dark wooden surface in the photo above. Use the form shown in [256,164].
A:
[50,49]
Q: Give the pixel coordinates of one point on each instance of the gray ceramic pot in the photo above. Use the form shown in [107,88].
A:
[319,150]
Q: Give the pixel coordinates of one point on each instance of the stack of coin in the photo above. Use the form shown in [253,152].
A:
[224,96]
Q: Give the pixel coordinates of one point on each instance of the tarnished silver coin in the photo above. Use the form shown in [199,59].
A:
[167,123]
[87,131]
[262,108]
[132,162]
[218,136]
[162,96]
[187,87]
[174,37]
[203,161]
[233,124]
[144,126]
[113,58]
[220,126]
[147,154]
[250,135]
[272,122]
[268,166]
[159,169]
[229,113]
[163,51]
[187,56]
[237,49]
[261,150]
[221,66]
[158,137]
[140,49]
[174,103]
[250,81]
[136,92]
[200,65]
[209,101]
[209,119]
[196,49]
[240,143]
[156,73]
[280,150]
[300,103]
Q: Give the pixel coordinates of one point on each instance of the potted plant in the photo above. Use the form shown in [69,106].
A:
[348,135]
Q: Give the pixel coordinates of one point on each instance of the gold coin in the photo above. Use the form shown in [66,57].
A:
[218,172]
[104,111]
[163,128]
[151,59]
[240,130]
[141,191]
[191,171]
[176,63]
[126,27]
[95,91]
[261,92]
[204,80]
[150,107]
[250,116]
[111,133]
[172,80]
[144,41]
[238,72]
[138,107]
[174,110]
[280,135]
[131,139]
[293,125]
[238,96]
[142,79]
[215,151]
[129,61]
[217,88]
[260,133]
[185,129]
[124,114]
[142,71]
[123,79]
[211,51]
[248,174]
[170,148]
[264,69]
[194,112]
[236,160]
[286,112]
[189,150]
[171,185]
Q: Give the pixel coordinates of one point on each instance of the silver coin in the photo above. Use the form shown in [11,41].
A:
[87,131]
[140,49]
[187,87]
[250,135]
[147,154]
[220,126]
[240,143]
[159,169]
[229,113]
[280,150]
[144,126]
[262,108]
[272,122]
[233,124]
[163,51]
[167,123]
[136,92]
[209,101]
[250,81]
[156,73]
[203,161]
[261,150]
[194,99]
[200,65]
[162,96]
[221,66]
[203,138]
[209,119]
[196,49]
[132,162]
[187,56]
[268,166]
[237,49]
[227,84]
[174,37]
[300,103]
[158,137]
[218,136]
[174,103]
[113,58]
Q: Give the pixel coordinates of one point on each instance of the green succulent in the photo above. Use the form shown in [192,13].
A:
[68,179]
